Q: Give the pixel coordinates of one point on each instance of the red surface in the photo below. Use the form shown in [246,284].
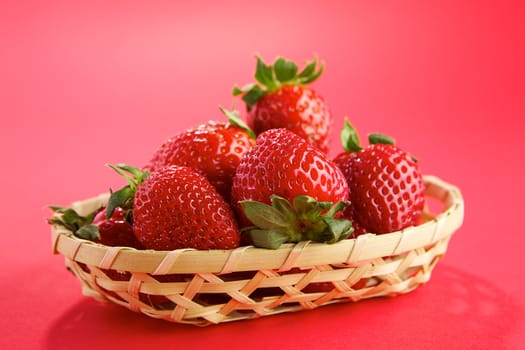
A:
[86,84]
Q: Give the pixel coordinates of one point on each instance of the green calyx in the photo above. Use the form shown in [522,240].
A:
[235,119]
[81,226]
[302,220]
[350,138]
[380,139]
[124,197]
[351,142]
[270,77]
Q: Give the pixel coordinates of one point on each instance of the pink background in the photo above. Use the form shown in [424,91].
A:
[84,84]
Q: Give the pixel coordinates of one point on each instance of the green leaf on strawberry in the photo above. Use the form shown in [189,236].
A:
[271,239]
[264,74]
[271,77]
[81,226]
[350,138]
[264,216]
[351,142]
[309,74]
[285,70]
[110,225]
[304,219]
[380,139]
[124,197]
[234,119]
[90,232]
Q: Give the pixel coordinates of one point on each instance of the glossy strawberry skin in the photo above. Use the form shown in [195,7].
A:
[176,207]
[386,188]
[115,231]
[296,108]
[214,149]
[345,162]
[284,164]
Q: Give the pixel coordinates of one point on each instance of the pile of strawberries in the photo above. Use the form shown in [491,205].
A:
[263,182]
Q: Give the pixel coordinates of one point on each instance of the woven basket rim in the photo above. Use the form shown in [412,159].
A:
[249,258]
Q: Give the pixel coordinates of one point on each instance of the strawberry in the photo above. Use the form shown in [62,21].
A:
[214,149]
[385,183]
[110,225]
[344,161]
[176,207]
[283,99]
[290,191]
[113,231]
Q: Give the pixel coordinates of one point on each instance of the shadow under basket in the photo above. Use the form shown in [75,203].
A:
[209,287]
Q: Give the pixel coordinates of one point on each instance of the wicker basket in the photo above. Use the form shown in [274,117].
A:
[210,287]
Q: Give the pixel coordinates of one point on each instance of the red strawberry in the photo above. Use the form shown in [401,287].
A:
[282,99]
[115,231]
[97,227]
[214,149]
[385,183]
[345,161]
[176,207]
[305,189]
[111,225]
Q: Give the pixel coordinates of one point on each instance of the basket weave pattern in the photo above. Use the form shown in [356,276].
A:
[209,287]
